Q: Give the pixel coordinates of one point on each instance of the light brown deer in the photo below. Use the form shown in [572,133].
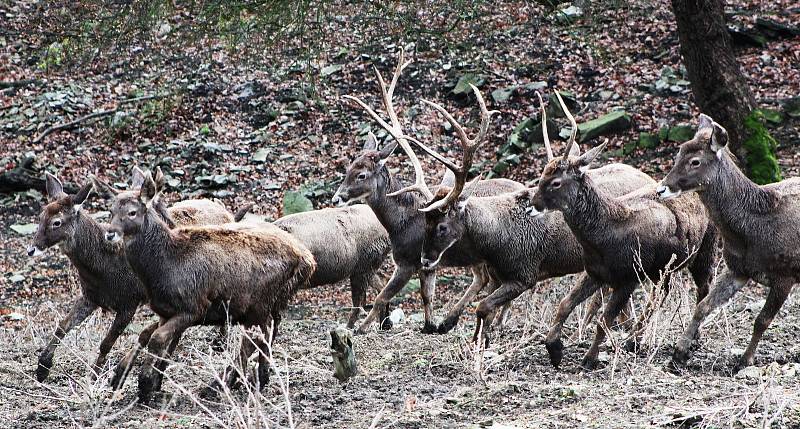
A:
[758,224]
[207,275]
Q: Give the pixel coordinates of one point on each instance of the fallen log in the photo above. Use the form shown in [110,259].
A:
[24,177]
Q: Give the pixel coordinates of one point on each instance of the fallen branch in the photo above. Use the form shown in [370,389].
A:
[24,177]
[18,83]
[94,115]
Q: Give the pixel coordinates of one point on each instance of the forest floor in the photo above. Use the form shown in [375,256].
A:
[242,126]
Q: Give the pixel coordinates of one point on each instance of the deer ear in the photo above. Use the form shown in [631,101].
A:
[159,179]
[584,161]
[83,193]
[137,178]
[371,143]
[386,152]
[103,189]
[148,188]
[53,186]
[719,138]
[466,193]
[705,121]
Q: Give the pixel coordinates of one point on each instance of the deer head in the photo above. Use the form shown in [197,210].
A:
[58,217]
[697,161]
[129,208]
[363,174]
[561,180]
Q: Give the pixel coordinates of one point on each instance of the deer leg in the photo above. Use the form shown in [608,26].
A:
[585,287]
[121,321]
[358,291]
[619,297]
[500,322]
[270,329]
[777,296]
[702,267]
[725,287]
[427,282]
[594,305]
[160,345]
[479,280]
[401,275]
[81,309]
[485,311]
[124,365]
[654,303]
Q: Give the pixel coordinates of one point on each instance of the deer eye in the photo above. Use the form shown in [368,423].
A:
[555,184]
[362,176]
[132,213]
[56,223]
[695,162]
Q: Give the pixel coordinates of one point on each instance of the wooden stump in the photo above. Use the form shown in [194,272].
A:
[344,359]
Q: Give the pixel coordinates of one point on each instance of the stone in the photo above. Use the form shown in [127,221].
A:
[607,124]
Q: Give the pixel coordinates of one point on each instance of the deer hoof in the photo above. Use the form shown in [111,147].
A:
[447,325]
[742,363]
[386,324]
[555,350]
[631,346]
[679,358]
[429,328]
[589,363]
[43,368]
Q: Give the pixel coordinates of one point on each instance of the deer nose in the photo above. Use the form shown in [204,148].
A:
[336,199]
[427,263]
[111,235]
[31,250]
[662,189]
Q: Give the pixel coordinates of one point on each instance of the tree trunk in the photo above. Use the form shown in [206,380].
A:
[720,89]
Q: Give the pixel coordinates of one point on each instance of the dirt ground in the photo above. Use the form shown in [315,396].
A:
[411,380]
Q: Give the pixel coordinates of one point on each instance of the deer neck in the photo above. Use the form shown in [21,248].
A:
[591,213]
[148,250]
[732,199]
[87,246]
[394,213]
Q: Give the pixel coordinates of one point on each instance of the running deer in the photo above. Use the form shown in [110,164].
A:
[758,225]
[206,275]
[520,249]
[368,180]
[105,279]
[623,240]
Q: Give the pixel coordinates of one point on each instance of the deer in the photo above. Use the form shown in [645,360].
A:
[347,243]
[205,275]
[521,250]
[623,239]
[396,206]
[105,279]
[758,226]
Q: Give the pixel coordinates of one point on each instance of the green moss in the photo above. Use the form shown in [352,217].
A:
[760,147]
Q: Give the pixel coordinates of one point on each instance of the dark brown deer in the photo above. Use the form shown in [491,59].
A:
[105,279]
[623,240]
[368,180]
[758,224]
[207,275]
[521,250]
[347,243]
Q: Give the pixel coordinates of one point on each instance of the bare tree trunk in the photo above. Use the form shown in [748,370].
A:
[720,89]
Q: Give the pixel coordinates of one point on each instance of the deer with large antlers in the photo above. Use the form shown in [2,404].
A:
[396,206]
[521,250]
[623,240]
[758,225]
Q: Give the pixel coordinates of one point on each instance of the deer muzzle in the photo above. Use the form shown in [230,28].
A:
[112,236]
[34,251]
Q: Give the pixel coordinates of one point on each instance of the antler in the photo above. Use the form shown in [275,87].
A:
[469,146]
[572,122]
[547,146]
[395,129]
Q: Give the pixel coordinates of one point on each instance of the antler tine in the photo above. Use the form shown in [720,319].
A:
[572,123]
[546,138]
[470,146]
